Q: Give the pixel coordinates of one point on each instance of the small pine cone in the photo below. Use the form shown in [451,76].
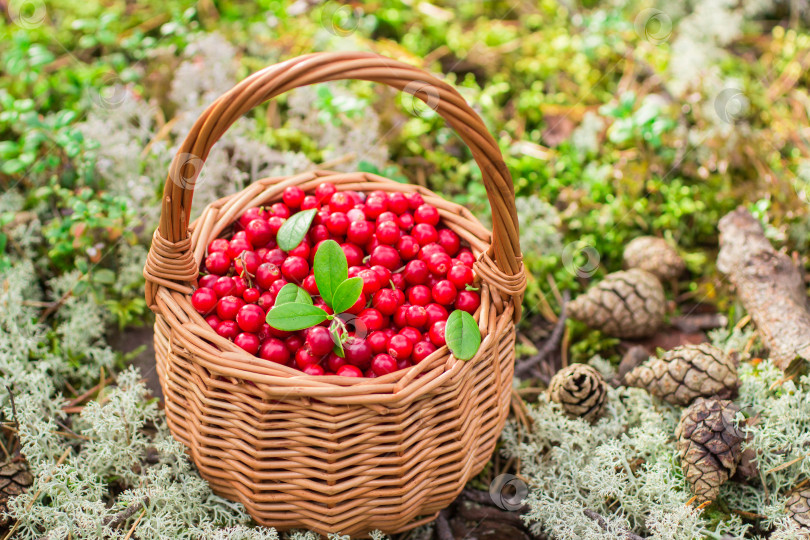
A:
[655,256]
[627,304]
[709,445]
[687,372]
[581,391]
[14,479]
[798,508]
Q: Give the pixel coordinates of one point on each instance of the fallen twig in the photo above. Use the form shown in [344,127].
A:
[528,364]
[121,517]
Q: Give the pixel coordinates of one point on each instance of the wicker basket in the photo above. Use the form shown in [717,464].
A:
[333,454]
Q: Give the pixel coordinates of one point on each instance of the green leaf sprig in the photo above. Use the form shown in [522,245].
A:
[294,309]
[462,335]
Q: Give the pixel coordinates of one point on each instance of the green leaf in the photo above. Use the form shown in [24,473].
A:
[295,229]
[347,294]
[292,293]
[331,269]
[293,316]
[462,335]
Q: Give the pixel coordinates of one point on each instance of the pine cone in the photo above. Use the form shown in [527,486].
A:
[798,508]
[655,256]
[687,372]
[14,479]
[581,391]
[627,304]
[709,445]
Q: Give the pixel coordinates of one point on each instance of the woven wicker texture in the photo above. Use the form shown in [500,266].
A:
[333,454]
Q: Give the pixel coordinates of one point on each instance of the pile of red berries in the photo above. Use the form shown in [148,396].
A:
[414,271]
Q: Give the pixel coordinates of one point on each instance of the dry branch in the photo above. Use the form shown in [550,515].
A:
[768,284]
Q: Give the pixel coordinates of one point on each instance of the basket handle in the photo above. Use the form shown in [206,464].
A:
[171,240]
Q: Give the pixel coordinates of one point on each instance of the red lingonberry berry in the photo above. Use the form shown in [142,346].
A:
[239,286]
[356,214]
[422,350]
[309,285]
[417,316]
[319,341]
[293,196]
[325,191]
[371,281]
[408,247]
[302,250]
[444,292]
[400,346]
[295,269]
[349,371]
[275,256]
[426,214]
[250,317]
[247,341]
[437,333]
[295,341]
[313,369]
[304,358]
[424,234]
[378,341]
[439,264]
[266,301]
[275,223]
[247,262]
[213,321]
[386,256]
[383,364]
[228,307]
[358,352]
[449,241]
[258,232]
[276,286]
[401,315]
[383,274]
[414,335]
[224,286]
[237,246]
[228,329]
[398,280]
[416,272]
[468,301]
[385,301]
[309,202]
[338,224]
[340,202]
[267,274]
[333,361]
[405,221]
[372,319]
[358,306]
[388,232]
[280,210]
[415,200]
[359,232]
[354,255]
[374,207]
[317,234]
[265,332]
[274,350]
[466,257]
[398,203]
[218,263]
[257,212]
[251,295]
[436,312]
[460,276]
[204,301]
[218,245]
[207,281]
[419,295]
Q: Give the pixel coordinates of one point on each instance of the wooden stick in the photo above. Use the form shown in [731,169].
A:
[768,284]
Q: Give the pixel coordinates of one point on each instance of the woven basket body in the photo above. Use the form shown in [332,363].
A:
[332,454]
